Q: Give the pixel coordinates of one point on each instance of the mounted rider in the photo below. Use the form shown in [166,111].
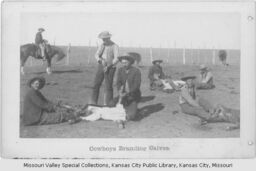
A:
[40,42]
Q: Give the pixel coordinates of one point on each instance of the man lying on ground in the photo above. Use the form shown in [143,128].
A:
[191,104]
[158,80]
[194,105]
[205,79]
[37,110]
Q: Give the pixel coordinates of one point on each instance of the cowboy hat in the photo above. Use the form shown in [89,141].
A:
[203,67]
[188,78]
[40,79]
[155,61]
[104,34]
[127,57]
[41,29]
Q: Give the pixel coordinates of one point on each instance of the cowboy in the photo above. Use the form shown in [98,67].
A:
[157,78]
[39,41]
[106,57]
[128,85]
[38,110]
[205,78]
[191,104]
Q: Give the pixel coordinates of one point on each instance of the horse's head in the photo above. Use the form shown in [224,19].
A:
[48,48]
[57,52]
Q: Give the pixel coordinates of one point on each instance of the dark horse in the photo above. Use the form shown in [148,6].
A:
[32,50]
[223,57]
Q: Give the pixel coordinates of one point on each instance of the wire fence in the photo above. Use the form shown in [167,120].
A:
[82,55]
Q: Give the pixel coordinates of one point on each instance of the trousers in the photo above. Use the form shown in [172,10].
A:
[108,78]
[58,116]
[204,86]
[202,112]
[42,49]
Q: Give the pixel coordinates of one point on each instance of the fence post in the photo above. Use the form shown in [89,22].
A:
[89,52]
[213,56]
[184,56]
[151,54]
[198,55]
[168,54]
[68,53]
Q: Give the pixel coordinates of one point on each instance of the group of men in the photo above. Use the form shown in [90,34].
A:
[38,110]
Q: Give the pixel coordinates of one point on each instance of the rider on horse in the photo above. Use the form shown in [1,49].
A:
[39,41]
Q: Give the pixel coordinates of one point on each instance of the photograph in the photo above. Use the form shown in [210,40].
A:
[133,80]
[129,75]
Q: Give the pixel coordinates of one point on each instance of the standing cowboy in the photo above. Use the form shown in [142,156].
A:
[128,86]
[39,41]
[106,57]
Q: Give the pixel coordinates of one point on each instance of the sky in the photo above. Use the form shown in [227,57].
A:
[189,30]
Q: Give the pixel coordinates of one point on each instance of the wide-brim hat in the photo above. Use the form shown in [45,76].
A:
[155,61]
[203,67]
[127,57]
[40,79]
[104,34]
[188,78]
[41,29]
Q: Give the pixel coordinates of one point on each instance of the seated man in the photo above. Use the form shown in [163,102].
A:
[37,110]
[205,78]
[192,104]
[158,80]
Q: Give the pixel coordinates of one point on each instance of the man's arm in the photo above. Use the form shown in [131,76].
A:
[162,75]
[39,38]
[99,52]
[119,79]
[188,98]
[151,73]
[116,54]
[41,102]
[136,81]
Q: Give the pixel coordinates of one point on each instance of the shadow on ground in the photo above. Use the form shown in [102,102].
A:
[148,110]
[146,98]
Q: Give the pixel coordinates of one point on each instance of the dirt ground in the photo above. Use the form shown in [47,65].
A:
[72,84]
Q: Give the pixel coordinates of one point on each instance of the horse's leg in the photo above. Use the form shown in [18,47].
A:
[23,59]
[48,69]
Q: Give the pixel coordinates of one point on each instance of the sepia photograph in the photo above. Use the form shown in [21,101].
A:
[131,75]
[130,78]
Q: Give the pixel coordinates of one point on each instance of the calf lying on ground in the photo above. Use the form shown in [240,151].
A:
[224,114]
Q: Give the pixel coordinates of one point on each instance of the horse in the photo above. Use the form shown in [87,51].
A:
[31,49]
[223,57]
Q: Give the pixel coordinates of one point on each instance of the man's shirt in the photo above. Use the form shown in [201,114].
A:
[109,52]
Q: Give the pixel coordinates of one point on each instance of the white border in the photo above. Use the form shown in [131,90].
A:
[13,146]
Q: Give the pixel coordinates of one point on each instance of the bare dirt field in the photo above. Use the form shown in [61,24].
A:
[73,84]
